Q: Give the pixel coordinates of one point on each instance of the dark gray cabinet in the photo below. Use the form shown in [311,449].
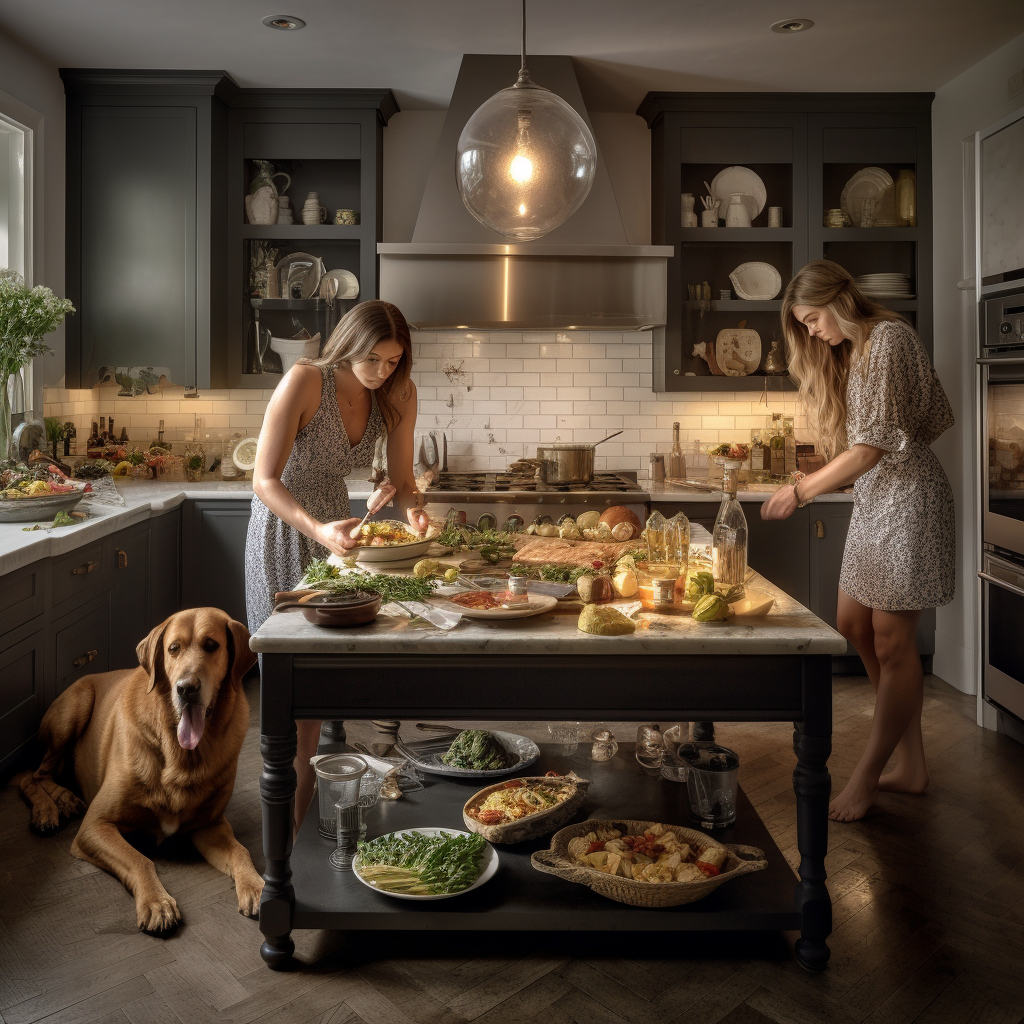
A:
[164,566]
[804,147]
[82,643]
[213,555]
[131,617]
[145,224]
[23,694]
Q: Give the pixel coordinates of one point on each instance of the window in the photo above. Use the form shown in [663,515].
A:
[13,206]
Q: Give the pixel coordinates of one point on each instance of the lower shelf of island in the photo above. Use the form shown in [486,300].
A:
[520,898]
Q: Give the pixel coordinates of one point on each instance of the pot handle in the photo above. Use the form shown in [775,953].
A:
[288,180]
[608,438]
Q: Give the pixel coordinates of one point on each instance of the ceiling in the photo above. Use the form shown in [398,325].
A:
[622,50]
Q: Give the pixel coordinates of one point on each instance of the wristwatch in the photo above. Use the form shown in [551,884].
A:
[796,494]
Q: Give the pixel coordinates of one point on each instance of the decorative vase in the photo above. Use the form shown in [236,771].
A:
[906,198]
[6,430]
[263,193]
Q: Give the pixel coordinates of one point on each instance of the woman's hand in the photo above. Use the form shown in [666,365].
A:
[781,505]
[337,537]
[385,491]
[418,519]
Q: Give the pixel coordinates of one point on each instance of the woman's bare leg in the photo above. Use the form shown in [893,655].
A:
[897,704]
[307,740]
[910,774]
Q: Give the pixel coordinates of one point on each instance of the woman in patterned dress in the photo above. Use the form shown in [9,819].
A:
[326,417]
[866,380]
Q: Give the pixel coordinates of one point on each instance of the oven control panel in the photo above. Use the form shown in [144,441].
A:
[1004,322]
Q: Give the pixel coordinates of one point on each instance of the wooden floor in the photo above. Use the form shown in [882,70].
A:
[928,895]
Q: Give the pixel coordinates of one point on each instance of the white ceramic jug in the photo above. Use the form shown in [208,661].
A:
[738,213]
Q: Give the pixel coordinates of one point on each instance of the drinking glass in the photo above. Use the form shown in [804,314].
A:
[711,784]
[650,747]
[566,735]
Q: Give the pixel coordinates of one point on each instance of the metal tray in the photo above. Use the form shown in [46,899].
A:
[35,510]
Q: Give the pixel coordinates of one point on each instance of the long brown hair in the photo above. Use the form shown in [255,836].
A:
[820,369]
[359,330]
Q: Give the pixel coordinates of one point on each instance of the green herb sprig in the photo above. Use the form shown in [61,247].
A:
[422,865]
[321,576]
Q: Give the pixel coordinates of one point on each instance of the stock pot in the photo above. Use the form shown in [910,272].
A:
[568,463]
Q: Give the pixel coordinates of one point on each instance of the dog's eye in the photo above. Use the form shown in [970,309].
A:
[174,648]
[210,645]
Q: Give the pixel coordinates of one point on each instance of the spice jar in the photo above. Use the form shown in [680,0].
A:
[665,594]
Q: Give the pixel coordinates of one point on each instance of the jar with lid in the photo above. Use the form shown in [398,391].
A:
[729,536]
[664,594]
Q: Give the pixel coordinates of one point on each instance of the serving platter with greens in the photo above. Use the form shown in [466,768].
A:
[472,754]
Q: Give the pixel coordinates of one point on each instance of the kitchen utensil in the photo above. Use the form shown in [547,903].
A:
[489,867]
[709,218]
[299,272]
[358,526]
[568,463]
[740,860]
[426,755]
[323,608]
[540,823]
[537,605]
[740,180]
[757,281]
[737,213]
[737,351]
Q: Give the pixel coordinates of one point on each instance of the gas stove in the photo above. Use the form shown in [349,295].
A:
[499,496]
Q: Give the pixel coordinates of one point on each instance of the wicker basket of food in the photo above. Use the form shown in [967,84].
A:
[644,863]
[525,808]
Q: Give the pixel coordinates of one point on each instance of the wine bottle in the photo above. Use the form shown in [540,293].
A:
[777,445]
[789,441]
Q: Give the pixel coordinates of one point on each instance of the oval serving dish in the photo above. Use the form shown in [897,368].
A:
[533,825]
[740,860]
[36,509]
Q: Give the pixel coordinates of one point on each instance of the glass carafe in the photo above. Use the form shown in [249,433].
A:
[729,537]
[677,542]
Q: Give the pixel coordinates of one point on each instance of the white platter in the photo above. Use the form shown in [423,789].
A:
[742,344]
[490,866]
[311,278]
[869,183]
[348,283]
[426,755]
[739,179]
[756,281]
[538,604]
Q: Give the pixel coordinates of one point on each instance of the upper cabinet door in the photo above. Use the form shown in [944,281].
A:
[138,241]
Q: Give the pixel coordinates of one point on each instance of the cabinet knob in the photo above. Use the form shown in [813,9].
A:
[84,659]
[81,570]
[122,559]
[819,529]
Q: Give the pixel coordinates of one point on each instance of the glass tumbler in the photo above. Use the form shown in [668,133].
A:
[711,784]
[566,735]
[650,748]
[337,781]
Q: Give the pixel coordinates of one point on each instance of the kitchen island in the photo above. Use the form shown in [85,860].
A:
[773,668]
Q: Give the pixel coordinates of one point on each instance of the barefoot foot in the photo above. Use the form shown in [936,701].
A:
[901,780]
[853,803]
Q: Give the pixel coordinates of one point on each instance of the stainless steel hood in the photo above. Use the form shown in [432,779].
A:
[457,274]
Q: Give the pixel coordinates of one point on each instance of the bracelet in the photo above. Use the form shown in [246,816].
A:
[796,494]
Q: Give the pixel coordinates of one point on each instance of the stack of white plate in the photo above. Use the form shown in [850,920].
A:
[884,286]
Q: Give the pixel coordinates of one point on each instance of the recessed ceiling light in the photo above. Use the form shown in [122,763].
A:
[791,25]
[284,22]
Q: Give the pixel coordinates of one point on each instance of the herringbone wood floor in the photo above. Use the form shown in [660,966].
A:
[928,896]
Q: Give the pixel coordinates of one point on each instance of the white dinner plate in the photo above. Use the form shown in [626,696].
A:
[488,871]
[757,281]
[348,283]
[538,604]
[869,183]
[426,755]
[738,179]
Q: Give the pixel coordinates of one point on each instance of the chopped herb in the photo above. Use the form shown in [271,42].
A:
[390,588]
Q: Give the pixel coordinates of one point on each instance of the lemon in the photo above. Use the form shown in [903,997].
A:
[244,455]
[123,469]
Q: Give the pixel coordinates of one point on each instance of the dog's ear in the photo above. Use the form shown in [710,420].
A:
[150,653]
[240,657]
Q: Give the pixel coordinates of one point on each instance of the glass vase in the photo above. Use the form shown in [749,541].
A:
[6,429]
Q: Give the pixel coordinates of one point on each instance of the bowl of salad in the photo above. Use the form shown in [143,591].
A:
[32,495]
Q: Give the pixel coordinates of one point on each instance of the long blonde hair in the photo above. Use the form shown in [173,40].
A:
[359,330]
[820,369]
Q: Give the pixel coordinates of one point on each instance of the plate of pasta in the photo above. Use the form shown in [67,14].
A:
[524,808]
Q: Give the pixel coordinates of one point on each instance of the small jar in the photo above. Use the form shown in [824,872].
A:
[604,747]
[663,594]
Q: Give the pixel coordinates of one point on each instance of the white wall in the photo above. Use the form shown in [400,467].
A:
[32,93]
[969,103]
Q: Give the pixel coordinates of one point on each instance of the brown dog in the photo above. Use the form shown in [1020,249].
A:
[155,750]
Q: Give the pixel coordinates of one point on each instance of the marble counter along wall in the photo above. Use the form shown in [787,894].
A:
[496,395]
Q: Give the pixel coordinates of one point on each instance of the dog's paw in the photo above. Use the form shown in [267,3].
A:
[69,805]
[249,892]
[46,821]
[158,915]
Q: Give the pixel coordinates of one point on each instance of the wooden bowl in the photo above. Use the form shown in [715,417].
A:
[533,825]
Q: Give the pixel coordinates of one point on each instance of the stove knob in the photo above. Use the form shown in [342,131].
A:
[542,519]
[487,521]
[457,514]
[514,523]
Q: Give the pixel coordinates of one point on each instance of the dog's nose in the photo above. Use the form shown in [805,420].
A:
[187,688]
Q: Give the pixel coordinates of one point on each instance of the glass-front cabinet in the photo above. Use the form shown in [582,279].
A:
[748,188]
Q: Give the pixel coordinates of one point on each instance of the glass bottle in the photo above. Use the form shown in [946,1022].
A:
[656,549]
[906,198]
[756,451]
[777,444]
[729,536]
[789,440]
[676,462]
[677,542]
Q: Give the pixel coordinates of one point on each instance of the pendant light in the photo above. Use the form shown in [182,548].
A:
[526,159]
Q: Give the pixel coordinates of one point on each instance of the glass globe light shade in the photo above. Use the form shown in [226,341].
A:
[525,162]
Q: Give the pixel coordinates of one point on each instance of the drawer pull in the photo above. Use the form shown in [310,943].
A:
[84,659]
[122,559]
[819,529]
[81,570]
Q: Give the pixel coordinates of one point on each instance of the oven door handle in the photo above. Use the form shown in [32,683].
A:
[997,361]
[1001,584]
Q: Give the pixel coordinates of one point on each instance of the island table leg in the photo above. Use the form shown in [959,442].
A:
[812,742]
[277,796]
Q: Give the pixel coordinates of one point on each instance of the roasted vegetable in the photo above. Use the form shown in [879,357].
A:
[477,750]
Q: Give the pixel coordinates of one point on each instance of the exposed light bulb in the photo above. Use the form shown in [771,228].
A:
[522,209]
[521,168]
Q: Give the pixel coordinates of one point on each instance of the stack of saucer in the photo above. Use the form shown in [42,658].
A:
[885,286]
[284,210]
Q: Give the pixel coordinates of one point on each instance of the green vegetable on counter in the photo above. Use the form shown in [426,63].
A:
[478,750]
[418,865]
[321,576]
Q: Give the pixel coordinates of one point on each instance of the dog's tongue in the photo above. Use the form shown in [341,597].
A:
[190,728]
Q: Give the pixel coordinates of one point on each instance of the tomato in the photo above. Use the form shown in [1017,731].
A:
[595,847]
[709,869]
[513,784]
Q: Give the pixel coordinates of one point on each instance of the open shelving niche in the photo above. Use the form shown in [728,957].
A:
[805,149]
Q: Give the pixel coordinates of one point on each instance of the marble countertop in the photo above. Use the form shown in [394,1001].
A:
[788,628]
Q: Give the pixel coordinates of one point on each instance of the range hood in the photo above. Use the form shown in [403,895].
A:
[457,274]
